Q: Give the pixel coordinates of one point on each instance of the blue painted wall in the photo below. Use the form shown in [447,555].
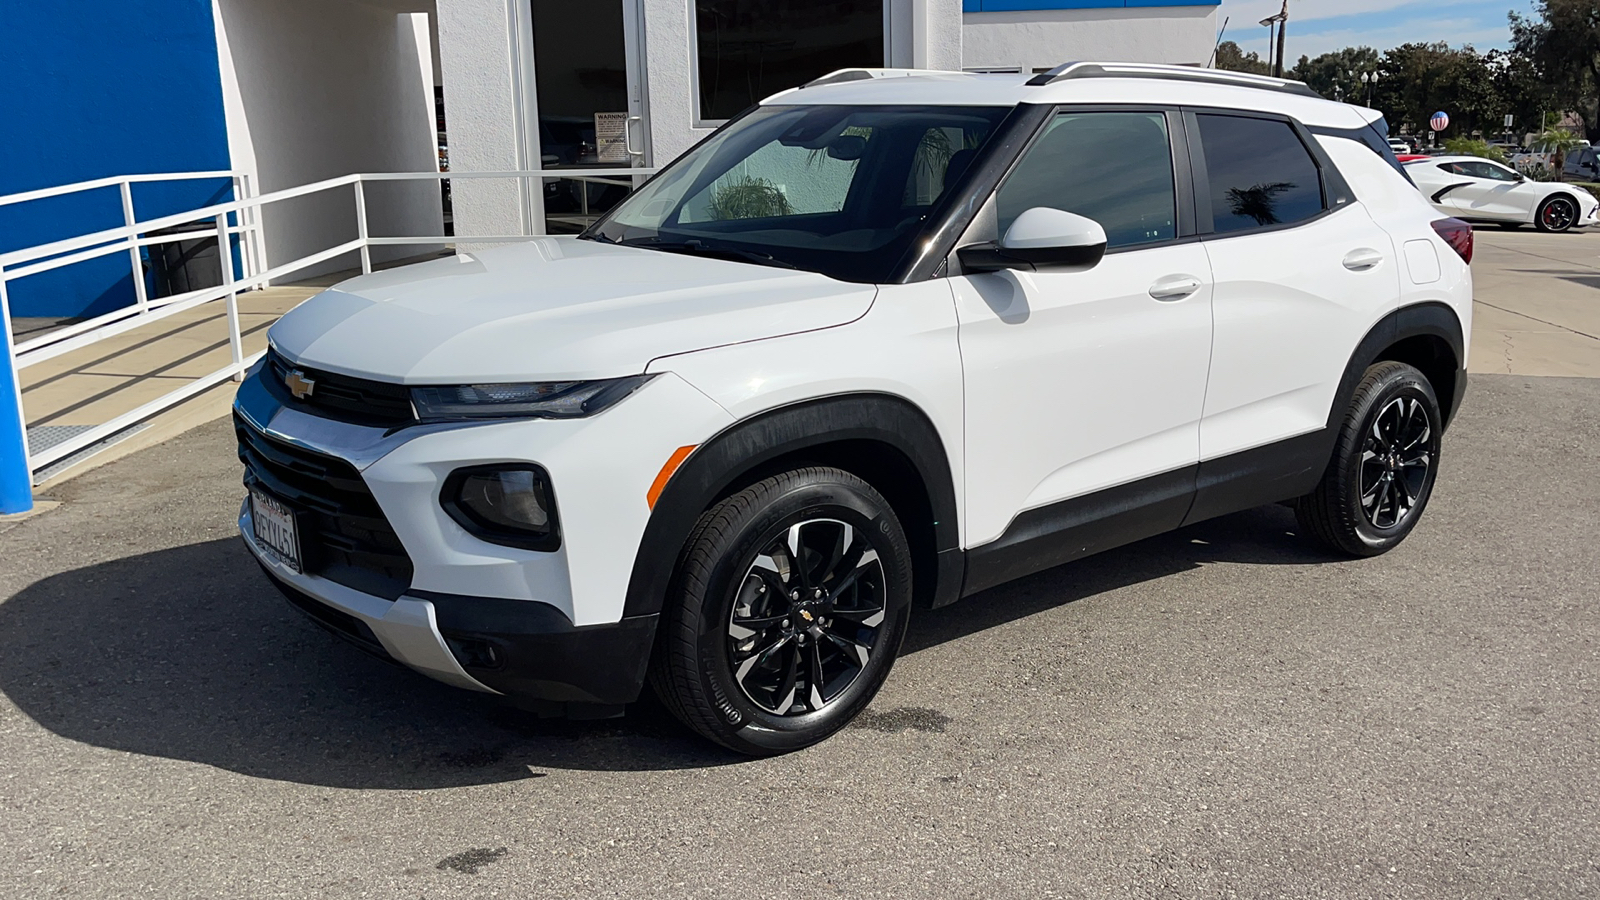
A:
[95,88]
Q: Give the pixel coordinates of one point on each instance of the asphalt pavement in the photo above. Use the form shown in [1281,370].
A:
[1221,712]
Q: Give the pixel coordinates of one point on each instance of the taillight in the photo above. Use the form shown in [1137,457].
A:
[1457,234]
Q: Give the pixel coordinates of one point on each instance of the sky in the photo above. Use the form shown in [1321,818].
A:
[1317,26]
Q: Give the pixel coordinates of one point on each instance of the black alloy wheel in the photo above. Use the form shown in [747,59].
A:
[790,602]
[1558,214]
[807,617]
[1385,462]
[1396,462]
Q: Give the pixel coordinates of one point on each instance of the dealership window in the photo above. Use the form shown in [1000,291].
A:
[751,49]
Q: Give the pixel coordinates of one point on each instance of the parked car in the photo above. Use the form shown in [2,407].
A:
[881,342]
[1480,190]
[1583,164]
[1400,147]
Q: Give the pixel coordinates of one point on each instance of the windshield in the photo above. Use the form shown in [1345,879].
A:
[840,190]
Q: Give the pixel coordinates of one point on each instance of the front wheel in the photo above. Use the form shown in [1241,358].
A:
[789,606]
[1384,464]
[1557,214]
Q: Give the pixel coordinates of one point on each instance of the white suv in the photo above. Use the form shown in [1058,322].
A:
[884,341]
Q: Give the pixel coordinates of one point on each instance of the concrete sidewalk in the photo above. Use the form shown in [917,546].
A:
[95,384]
[1538,303]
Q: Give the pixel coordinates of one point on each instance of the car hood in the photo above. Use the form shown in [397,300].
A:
[553,309]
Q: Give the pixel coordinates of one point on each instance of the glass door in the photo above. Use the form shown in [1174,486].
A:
[590,106]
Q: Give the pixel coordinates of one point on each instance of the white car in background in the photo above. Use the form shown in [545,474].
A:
[1480,190]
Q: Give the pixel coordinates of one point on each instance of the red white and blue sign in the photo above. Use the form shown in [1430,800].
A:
[1440,121]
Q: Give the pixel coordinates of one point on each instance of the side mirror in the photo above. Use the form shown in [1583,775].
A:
[1041,238]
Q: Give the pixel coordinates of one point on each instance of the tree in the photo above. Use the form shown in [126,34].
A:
[1337,75]
[1523,94]
[1563,41]
[1469,147]
[1232,58]
[1419,79]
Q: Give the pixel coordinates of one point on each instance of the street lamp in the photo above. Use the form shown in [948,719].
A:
[1369,81]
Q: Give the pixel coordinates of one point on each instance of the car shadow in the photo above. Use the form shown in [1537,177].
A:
[189,654]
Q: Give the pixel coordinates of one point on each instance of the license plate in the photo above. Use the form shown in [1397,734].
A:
[275,527]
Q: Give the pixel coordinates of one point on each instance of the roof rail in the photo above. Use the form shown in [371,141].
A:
[843,75]
[1071,70]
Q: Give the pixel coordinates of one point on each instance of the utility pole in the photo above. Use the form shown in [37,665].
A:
[1275,27]
[1283,26]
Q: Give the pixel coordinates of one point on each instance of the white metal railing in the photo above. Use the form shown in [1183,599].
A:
[245,211]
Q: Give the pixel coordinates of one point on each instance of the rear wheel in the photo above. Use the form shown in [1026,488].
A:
[1383,468]
[1557,214]
[790,604]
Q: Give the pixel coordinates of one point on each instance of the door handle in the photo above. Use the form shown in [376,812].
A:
[1175,287]
[1363,260]
[627,135]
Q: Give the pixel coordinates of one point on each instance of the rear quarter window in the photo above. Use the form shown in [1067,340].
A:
[1261,175]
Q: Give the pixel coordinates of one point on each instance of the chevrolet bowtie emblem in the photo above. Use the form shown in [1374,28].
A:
[298,384]
[806,614]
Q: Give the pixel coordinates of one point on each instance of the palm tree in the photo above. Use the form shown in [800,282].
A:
[1557,142]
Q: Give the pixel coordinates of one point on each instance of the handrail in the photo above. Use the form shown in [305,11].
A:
[244,209]
[112,181]
[68,245]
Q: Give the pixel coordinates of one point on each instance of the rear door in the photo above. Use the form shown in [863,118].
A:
[1302,272]
[1082,381]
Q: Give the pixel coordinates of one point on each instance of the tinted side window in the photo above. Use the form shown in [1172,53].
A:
[1261,174]
[1114,168]
[1496,173]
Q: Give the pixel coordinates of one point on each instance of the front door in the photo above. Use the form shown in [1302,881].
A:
[1488,191]
[1080,381]
[589,107]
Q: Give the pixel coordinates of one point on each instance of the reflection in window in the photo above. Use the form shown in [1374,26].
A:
[1114,168]
[1259,202]
[750,49]
[1261,174]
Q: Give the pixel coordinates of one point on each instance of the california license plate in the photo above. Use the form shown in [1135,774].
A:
[275,527]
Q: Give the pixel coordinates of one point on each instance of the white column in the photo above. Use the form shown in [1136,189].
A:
[482,78]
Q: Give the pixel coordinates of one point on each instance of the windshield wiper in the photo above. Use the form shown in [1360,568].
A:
[700,248]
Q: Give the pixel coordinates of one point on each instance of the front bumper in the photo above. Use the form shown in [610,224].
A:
[538,654]
[530,624]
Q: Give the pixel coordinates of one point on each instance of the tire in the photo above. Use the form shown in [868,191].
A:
[1366,505]
[1556,214]
[764,656]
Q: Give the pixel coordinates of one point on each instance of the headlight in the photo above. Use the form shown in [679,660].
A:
[542,400]
[507,504]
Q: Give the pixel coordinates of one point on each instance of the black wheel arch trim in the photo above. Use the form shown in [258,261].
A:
[1429,319]
[750,443]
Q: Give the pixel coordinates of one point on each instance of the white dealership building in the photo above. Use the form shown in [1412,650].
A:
[526,82]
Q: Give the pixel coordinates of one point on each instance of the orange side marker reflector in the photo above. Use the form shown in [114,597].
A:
[665,475]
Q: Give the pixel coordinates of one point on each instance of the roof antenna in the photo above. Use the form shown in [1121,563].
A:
[1212,62]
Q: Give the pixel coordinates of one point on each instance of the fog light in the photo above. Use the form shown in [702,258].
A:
[510,505]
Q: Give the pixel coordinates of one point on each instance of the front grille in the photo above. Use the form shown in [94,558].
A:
[342,397]
[344,536]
